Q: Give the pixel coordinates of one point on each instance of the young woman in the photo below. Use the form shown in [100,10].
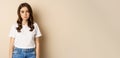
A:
[24,35]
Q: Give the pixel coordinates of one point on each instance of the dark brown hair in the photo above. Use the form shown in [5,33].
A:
[30,20]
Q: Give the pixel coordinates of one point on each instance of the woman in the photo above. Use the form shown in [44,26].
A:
[24,35]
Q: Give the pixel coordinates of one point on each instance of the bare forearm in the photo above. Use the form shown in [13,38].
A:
[10,51]
[37,47]
[38,52]
[11,47]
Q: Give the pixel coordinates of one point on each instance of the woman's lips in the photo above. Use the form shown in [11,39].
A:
[25,17]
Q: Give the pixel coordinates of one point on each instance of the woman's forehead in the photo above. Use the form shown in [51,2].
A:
[24,9]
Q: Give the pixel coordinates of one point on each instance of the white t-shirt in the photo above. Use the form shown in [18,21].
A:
[25,38]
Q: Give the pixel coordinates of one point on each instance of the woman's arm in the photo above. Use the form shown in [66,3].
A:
[37,42]
[11,46]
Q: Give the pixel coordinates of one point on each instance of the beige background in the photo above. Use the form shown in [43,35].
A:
[70,28]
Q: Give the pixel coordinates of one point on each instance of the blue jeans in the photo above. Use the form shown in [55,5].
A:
[23,53]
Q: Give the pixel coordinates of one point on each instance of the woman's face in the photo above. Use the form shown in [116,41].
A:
[24,13]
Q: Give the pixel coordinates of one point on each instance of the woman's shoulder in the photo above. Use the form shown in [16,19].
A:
[35,24]
[14,25]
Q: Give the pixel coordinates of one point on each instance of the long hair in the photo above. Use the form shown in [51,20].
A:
[30,20]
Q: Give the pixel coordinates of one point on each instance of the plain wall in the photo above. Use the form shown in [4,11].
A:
[70,28]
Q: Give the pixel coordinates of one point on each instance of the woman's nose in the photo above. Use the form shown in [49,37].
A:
[25,13]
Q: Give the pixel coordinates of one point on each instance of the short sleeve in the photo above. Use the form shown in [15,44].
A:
[12,32]
[37,31]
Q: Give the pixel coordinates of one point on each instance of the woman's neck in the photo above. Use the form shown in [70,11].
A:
[24,22]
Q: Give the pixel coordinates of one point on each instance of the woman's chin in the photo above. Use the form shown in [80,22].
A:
[25,19]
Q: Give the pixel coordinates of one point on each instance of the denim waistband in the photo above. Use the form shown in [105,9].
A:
[24,50]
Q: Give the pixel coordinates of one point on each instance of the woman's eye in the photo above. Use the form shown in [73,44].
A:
[27,11]
[22,11]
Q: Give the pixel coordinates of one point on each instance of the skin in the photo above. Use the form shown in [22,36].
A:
[24,15]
